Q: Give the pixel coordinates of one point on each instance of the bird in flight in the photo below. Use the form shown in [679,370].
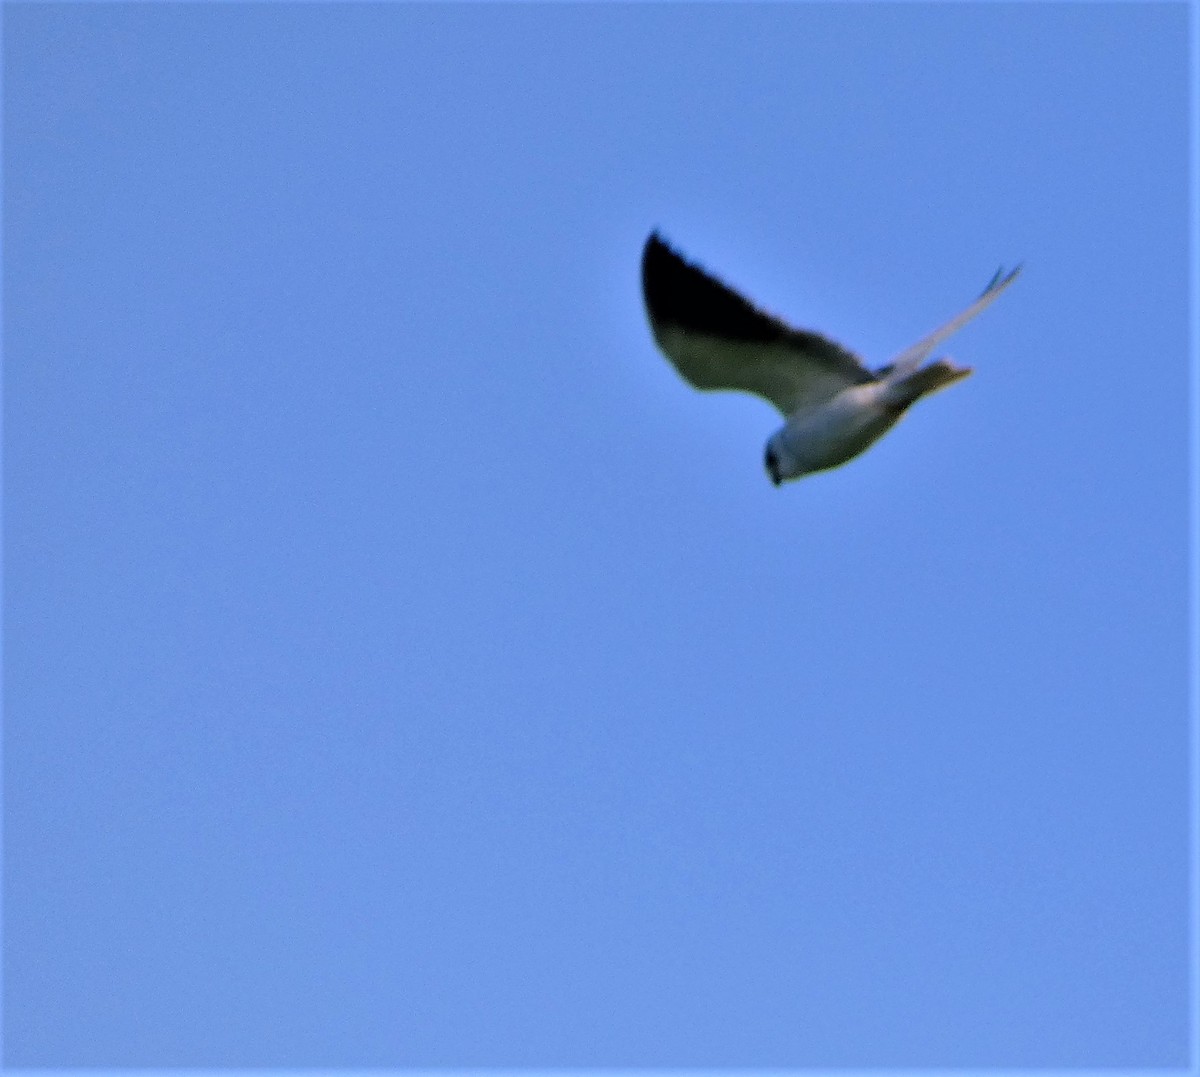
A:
[834,406]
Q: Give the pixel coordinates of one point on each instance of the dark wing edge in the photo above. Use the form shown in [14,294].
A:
[680,294]
[1001,280]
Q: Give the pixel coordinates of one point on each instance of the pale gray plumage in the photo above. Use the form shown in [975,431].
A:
[834,405]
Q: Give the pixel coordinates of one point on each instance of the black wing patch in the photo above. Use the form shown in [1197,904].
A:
[718,340]
[678,293]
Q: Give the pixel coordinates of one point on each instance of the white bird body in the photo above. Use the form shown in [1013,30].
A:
[834,405]
[831,433]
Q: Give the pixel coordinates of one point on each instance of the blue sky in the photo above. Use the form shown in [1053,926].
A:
[405,668]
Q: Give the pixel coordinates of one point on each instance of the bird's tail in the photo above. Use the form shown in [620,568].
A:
[937,375]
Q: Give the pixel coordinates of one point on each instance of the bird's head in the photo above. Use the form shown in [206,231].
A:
[778,460]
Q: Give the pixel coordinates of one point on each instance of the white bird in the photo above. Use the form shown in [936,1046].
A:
[834,405]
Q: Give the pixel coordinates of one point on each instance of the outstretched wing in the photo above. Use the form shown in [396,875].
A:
[914,356]
[718,340]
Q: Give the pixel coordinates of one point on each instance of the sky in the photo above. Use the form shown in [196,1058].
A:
[404,667]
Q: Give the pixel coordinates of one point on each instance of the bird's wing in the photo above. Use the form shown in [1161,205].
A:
[718,340]
[914,356]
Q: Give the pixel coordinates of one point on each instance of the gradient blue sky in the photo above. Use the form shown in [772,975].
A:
[405,668]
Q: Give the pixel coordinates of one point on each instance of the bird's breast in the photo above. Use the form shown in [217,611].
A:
[831,433]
